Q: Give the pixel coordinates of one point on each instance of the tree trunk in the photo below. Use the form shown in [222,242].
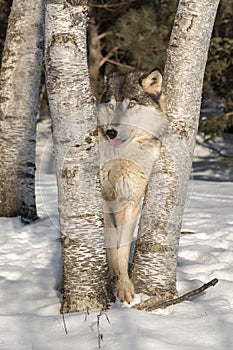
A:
[154,267]
[94,53]
[76,152]
[19,90]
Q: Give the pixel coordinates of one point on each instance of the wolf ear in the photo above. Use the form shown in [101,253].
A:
[109,69]
[152,82]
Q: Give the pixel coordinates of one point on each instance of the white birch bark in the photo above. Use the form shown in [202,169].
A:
[19,90]
[154,268]
[76,152]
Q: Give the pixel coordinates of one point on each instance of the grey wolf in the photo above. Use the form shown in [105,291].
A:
[131,122]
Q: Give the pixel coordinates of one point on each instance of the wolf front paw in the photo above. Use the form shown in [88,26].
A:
[125,290]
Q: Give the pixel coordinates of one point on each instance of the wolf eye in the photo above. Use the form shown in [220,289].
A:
[131,104]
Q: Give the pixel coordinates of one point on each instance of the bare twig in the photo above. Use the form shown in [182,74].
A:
[187,233]
[207,145]
[87,313]
[126,66]
[152,304]
[100,335]
[64,323]
[107,6]
[103,35]
[107,57]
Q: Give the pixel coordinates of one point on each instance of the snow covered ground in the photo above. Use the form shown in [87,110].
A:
[30,270]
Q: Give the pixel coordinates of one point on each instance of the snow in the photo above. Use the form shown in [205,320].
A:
[30,273]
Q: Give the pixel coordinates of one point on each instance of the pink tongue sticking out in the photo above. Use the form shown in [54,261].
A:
[115,142]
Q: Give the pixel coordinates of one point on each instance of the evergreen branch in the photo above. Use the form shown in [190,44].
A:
[151,303]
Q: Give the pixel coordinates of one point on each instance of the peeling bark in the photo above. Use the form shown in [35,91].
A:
[76,152]
[19,91]
[154,266]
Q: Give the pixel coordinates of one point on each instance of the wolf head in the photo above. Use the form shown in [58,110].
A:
[132,106]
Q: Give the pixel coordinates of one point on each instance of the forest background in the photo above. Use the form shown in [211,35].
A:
[134,34]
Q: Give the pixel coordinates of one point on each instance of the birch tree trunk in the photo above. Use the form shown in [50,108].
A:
[76,152]
[154,267]
[19,90]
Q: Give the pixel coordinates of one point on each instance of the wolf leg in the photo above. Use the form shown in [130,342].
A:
[119,228]
[118,266]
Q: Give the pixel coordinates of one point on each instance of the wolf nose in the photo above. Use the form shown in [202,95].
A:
[111,133]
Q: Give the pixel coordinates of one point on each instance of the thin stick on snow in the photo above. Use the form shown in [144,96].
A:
[87,313]
[152,303]
[64,323]
[100,335]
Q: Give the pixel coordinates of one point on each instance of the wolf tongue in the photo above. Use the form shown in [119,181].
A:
[115,142]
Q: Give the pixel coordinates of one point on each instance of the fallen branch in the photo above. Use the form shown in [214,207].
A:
[152,303]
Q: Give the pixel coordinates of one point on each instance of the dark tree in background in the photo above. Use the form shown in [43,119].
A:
[5,6]
[218,83]
[130,34]
[142,35]
[135,34]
